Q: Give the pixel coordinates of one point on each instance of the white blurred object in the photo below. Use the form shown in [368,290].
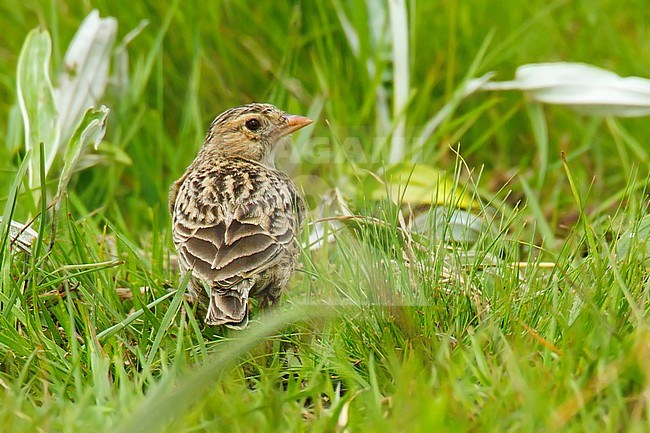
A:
[332,205]
[585,88]
[21,236]
[447,224]
[635,242]
[85,73]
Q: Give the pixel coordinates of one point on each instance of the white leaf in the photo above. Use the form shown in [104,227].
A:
[21,236]
[400,46]
[322,230]
[85,75]
[450,225]
[37,104]
[90,130]
[584,88]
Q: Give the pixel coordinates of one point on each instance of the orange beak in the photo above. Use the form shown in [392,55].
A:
[294,123]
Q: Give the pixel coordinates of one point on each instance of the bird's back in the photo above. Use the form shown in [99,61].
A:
[234,226]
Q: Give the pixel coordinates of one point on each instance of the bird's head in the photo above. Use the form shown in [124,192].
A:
[251,131]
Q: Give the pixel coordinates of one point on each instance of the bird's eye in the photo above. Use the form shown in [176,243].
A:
[253,124]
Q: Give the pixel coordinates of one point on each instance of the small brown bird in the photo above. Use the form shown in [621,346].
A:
[235,217]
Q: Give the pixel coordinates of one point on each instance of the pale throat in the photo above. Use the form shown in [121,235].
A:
[268,158]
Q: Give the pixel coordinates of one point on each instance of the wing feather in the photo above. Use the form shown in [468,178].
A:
[225,238]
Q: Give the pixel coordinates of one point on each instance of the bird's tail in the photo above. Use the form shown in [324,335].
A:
[228,307]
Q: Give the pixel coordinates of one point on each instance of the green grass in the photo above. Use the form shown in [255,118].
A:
[540,325]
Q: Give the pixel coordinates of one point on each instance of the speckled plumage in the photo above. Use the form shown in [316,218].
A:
[235,217]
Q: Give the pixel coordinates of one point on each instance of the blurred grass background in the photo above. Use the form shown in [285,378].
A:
[293,52]
[564,348]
